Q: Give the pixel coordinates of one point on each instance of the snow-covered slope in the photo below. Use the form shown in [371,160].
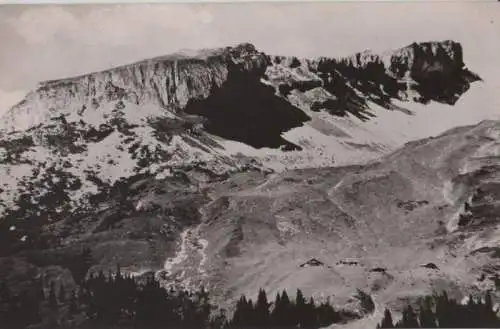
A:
[163,166]
[214,112]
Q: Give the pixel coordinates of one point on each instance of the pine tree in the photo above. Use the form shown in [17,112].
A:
[300,309]
[489,313]
[326,315]
[409,318]
[62,294]
[387,321]
[262,316]
[80,265]
[308,317]
[276,309]
[442,311]
[52,297]
[241,316]
[427,318]
[281,312]
[219,321]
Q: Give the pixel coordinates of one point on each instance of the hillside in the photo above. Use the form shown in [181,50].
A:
[219,111]
[223,169]
[372,227]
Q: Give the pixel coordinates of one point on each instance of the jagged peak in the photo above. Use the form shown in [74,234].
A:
[245,50]
[453,49]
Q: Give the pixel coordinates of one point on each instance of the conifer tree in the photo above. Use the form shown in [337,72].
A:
[426,316]
[62,294]
[387,321]
[262,316]
[311,320]
[80,265]
[442,311]
[219,321]
[276,309]
[300,309]
[409,319]
[450,314]
[52,297]
[284,310]
[241,314]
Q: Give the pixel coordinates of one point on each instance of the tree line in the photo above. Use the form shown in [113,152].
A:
[439,311]
[285,312]
[115,300]
[118,300]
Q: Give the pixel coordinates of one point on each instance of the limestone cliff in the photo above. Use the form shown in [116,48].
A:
[168,82]
[213,112]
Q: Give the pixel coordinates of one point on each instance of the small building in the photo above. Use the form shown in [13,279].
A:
[312,262]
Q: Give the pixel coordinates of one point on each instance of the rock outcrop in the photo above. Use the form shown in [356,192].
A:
[163,167]
[169,82]
[209,113]
[420,72]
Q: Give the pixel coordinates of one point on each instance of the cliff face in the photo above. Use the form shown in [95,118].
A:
[168,82]
[214,112]
[415,59]
[420,72]
[134,160]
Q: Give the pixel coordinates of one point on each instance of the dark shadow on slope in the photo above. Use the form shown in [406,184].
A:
[436,79]
[245,110]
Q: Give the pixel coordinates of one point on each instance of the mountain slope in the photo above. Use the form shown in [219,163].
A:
[423,218]
[216,111]
[175,167]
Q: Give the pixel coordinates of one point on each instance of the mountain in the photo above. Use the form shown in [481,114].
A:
[421,219]
[216,111]
[215,168]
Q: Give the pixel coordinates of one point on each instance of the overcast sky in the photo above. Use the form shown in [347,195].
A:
[42,42]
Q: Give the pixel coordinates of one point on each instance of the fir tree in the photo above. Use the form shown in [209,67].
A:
[62,294]
[281,314]
[426,316]
[300,309]
[80,265]
[310,320]
[387,321]
[52,297]
[262,317]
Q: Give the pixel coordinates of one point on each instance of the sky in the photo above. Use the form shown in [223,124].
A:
[43,42]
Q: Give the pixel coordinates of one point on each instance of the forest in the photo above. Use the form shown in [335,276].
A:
[118,300]
[440,311]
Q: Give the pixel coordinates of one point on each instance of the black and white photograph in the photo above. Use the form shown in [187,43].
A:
[250,165]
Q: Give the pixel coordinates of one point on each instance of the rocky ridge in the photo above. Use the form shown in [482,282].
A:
[175,166]
[217,111]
